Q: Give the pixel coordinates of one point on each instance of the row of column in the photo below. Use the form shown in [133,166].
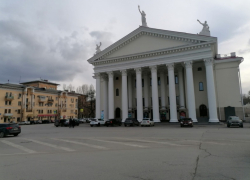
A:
[127,95]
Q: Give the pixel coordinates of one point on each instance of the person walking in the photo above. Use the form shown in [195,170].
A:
[70,123]
[73,123]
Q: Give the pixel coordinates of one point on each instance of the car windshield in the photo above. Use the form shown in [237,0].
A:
[234,118]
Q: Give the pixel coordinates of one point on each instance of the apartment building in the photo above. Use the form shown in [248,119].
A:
[36,100]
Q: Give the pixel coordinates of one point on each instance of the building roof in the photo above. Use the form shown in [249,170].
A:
[40,81]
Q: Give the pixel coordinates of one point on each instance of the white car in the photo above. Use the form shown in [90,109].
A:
[23,122]
[147,122]
[96,122]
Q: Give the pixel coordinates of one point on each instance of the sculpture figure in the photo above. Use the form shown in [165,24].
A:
[205,30]
[143,17]
[98,48]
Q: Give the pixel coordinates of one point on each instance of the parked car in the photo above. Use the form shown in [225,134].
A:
[96,122]
[23,122]
[9,129]
[112,122]
[87,120]
[186,122]
[46,121]
[147,122]
[81,121]
[234,121]
[39,122]
[77,122]
[32,122]
[59,122]
[131,122]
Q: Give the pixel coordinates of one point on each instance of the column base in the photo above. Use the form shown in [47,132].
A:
[156,120]
[173,120]
[214,120]
[194,120]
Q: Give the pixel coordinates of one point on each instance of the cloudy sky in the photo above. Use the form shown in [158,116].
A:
[52,39]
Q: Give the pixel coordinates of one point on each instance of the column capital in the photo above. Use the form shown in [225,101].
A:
[170,66]
[208,61]
[110,74]
[124,72]
[188,64]
[138,70]
[153,68]
[96,75]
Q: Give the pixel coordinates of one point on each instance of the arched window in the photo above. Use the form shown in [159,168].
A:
[203,110]
[117,92]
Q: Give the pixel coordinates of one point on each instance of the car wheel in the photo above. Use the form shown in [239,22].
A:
[16,134]
[241,126]
[98,124]
[1,134]
[56,126]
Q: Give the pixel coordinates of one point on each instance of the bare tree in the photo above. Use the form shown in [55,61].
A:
[70,88]
[85,89]
[64,87]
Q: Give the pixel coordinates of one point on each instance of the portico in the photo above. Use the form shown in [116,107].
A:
[153,73]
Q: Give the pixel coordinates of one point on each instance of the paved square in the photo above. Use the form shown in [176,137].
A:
[166,151]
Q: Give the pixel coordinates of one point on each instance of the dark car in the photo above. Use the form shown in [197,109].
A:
[234,121]
[77,122]
[59,122]
[131,122]
[112,122]
[9,129]
[186,122]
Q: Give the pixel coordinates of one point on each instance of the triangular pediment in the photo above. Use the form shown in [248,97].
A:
[146,39]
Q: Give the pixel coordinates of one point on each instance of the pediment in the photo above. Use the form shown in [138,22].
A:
[146,43]
[146,39]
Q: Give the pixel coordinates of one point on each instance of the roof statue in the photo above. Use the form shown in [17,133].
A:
[98,48]
[205,30]
[143,17]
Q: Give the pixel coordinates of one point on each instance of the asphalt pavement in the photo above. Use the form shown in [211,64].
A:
[166,151]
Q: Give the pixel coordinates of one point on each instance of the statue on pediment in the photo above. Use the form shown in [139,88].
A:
[98,48]
[205,30]
[143,17]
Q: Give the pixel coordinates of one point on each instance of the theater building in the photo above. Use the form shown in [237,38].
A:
[166,75]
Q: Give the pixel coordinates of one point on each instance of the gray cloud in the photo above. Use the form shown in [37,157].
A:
[31,53]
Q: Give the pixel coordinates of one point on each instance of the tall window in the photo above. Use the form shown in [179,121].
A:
[176,79]
[177,100]
[159,101]
[9,111]
[135,83]
[159,81]
[19,103]
[167,80]
[117,92]
[142,82]
[201,86]
[150,81]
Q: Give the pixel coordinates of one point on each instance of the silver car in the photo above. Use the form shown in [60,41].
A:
[234,121]
[147,122]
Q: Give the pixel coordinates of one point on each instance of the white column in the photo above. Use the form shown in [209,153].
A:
[124,95]
[111,95]
[181,88]
[145,77]
[172,94]
[190,91]
[155,97]
[98,96]
[163,90]
[130,98]
[105,96]
[213,117]
[139,94]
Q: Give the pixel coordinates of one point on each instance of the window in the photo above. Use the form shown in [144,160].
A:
[201,86]
[19,103]
[199,69]
[56,104]
[167,80]
[48,111]
[142,82]
[18,111]
[18,119]
[177,100]
[7,94]
[6,110]
[150,81]
[6,102]
[40,104]
[176,79]
[42,111]
[116,78]
[117,92]
[159,101]
[10,94]
[9,102]
[159,81]
[19,95]
[9,111]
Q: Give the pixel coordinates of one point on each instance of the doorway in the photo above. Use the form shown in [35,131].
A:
[117,113]
[203,110]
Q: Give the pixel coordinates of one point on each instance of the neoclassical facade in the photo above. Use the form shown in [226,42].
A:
[166,75]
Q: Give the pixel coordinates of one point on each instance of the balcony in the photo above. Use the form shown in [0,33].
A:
[50,101]
[42,99]
[9,98]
